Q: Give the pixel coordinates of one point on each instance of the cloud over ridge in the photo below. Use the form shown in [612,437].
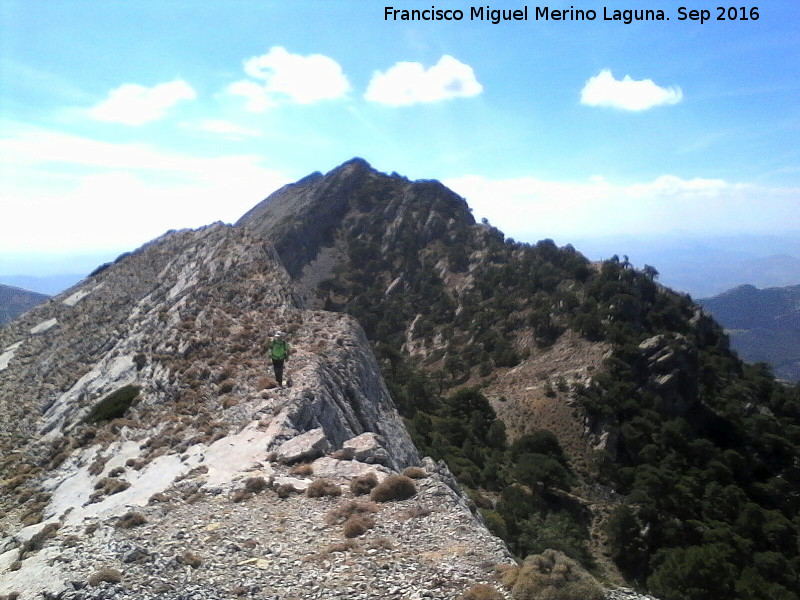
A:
[627,93]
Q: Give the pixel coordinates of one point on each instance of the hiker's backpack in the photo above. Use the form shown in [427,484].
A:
[278,349]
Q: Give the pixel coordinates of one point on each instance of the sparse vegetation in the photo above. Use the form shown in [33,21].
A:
[190,559]
[363,484]
[345,546]
[114,405]
[255,485]
[285,490]
[357,525]
[303,470]
[130,520]
[415,472]
[481,591]
[323,487]
[554,576]
[394,487]
[344,511]
[105,575]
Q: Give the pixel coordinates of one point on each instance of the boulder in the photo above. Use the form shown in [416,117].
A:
[306,446]
[367,448]
[331,468]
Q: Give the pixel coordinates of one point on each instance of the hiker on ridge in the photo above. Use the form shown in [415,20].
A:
[278,350]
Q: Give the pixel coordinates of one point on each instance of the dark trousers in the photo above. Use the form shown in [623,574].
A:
[277,363]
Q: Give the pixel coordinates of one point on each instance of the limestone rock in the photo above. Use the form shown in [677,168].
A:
[367,448]
[306,446]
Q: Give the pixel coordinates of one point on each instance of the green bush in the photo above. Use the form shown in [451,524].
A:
[114,405]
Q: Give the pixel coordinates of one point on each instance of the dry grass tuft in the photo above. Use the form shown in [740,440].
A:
[415,473]
[343,454]
[285,490]
[481,591]
[105,574]
[357,525]
[363,484]
[323,487]
[303,469]
[394,487]
[130,520]
[345,546]
[190,559]
[349,509]
[381,543]
[241,496]
[255,485]
[553,575]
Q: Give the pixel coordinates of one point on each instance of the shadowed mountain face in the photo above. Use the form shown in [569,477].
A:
[764,325]
[650,418]
[14,301]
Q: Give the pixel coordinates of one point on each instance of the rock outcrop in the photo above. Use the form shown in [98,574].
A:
[147,452]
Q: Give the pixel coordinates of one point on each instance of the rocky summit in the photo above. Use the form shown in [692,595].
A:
[463,417]
[148,453]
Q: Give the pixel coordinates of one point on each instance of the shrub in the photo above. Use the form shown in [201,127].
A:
[302,469]
[341,546]
[363,484]
[349,509]
[190,559]
[285,490]
[241,496]
[130,520]
[114,405]
[255,485]
[357,525]
[394,487]
[343,454]
[323,487]
[105,574]
[554,576]
[415,473]
[481,591]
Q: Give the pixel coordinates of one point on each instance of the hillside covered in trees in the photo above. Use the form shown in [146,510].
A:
[687,472]
[763,325]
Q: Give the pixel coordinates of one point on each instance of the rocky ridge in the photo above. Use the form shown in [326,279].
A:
[145,391]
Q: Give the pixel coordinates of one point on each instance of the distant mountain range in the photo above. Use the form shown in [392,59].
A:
[763,324]
[47,284]
[15,301]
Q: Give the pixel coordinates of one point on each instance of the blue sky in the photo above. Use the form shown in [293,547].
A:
[119,120]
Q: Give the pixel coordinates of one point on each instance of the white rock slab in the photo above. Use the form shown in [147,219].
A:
[76,297]
[306,446]
[39,573]
[346,469]
[8,354]
[44,326]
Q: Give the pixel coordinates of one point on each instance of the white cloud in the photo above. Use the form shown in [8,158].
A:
[133,104]
[529,209]
[408,83]
[280,75]
[66,194]
[628,93]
